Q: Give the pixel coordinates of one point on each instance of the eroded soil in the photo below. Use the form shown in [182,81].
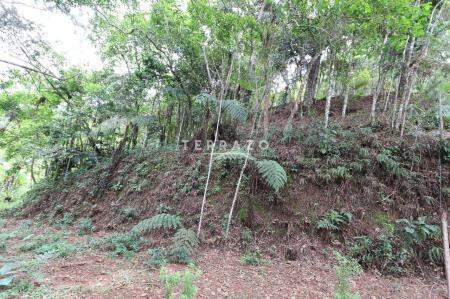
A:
[91,273]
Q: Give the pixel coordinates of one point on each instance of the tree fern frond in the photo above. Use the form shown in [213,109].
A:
[273,173]
[187,238]
[111,124]
[166,221]
[143,120]
[176,92]
[185,242]
[232,108]
[204,98]
[235,110]
[233,155]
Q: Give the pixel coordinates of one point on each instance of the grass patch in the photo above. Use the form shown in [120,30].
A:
[252,258]
[49,246]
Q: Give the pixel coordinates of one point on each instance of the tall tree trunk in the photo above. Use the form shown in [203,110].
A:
[444,222]
[116,157]
[312,79]
[134,135]
[300,99]
[404,80]
[441,116]
[329,94]
[47,169]
[266,105]
[394,108]
[410,66]
[345,101]
[297,102]
[181,122]
[387,98]
[32,171]
[346,91]
[406,106]
[376,94]
[117,154]
[380,82]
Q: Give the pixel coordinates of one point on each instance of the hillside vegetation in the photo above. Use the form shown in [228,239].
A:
[272,131]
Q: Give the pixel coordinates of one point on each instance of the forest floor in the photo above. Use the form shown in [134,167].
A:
[64,265]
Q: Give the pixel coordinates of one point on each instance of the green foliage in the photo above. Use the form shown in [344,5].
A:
[235,110]
[60,249]
[233,155]
[49,245]
[392,166]
[158,257]
[337,174]
[363,152]
[287,134]
[384,252]
[164,209]
[232,108]
[346,268]
[309,163]
[182,281]
[270,171]
[333,220]
[85,226]
[395,250]
[273,173]
[7,274]
[121,244]
[183,246]
[67,220]
[160,221]
[416,231]
[436,255]
[246,237]
[252,258]
[129,214]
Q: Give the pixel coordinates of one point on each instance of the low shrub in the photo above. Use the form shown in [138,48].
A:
[252,258]
[85,226]
[345,269]
[122,244]
[182,282]
[397,249]
[158,257]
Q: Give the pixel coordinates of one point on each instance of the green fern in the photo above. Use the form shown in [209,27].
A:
[7,274]
[334,220]
[165,221]
[339,172]
[232,107]
[273,173]
[363,152]
[233,155]
[205,98]
[175,92]
[391,165]
[111,124]
[235,110]
[435,255]
[185,242]
[143,120]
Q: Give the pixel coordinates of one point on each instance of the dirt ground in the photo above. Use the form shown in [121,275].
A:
[90,273]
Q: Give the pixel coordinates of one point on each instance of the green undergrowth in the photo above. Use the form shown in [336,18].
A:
[382,173]
[26,248]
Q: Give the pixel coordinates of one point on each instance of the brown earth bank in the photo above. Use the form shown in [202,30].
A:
[91,273]
[342,173]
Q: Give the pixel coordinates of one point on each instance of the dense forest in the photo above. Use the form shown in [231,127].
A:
[278,131]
